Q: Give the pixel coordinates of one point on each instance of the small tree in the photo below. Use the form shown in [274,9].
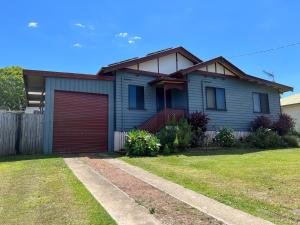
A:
[261,122]
[12,91]
[198,121]
[284,125]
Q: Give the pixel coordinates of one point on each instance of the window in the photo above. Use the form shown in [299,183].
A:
[261,103]
[136,97]
[215,98]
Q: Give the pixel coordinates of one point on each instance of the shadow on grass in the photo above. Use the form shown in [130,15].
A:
[212,151]
[191,152]
[13,158]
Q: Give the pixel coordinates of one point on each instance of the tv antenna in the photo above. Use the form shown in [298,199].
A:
[270,74]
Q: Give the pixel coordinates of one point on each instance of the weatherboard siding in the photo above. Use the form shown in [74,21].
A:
[76,85]
[126,118]
[179,99]
[239,103]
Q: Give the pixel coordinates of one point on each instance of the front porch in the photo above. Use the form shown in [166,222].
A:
[171,102]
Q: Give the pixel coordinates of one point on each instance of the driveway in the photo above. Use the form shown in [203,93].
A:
[154,199]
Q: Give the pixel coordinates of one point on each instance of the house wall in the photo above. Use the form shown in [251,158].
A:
[126,118]
[294,112]
[77,85]
[239,101]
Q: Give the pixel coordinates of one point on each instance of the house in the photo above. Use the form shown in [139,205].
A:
[87,113]
[291,106]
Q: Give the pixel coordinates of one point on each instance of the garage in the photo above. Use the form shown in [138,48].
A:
[80,122]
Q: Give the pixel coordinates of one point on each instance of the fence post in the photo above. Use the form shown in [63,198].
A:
[18,132]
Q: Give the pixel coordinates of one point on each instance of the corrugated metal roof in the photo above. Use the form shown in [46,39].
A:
[290,100]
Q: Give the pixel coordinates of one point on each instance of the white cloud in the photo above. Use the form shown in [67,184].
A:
[122,34]
[32,24]
[79,25]
[83,26]
[136,38]
[77,45]
[131,41]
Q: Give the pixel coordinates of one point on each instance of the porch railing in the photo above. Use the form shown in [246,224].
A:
[159,120]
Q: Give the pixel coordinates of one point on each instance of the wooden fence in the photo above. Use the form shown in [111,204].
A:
[21,133]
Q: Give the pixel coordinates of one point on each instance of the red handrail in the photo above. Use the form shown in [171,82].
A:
[159,120]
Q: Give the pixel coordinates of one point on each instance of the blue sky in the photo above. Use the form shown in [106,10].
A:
[81,36]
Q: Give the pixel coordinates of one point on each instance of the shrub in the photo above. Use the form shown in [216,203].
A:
[198,121]
[261,122]
[265,138]
[166,150]
[184,134]
[167,135]
[141,143]
[291,141]
[284,124]
[176,136]
[294,132]
[225,137]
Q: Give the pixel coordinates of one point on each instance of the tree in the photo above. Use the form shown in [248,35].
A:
[12,91]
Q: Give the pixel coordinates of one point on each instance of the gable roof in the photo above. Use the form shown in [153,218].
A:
[150,56]
[290,100]
[237,72]
[219,59]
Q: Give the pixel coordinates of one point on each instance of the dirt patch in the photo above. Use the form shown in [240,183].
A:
[164,207]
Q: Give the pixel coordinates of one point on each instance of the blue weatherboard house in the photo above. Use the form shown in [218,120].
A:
[90,113]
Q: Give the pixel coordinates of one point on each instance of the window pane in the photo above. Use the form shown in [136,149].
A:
[210,98]
[256,102]
[139,97]
[220,96]
[264,103]
[132,96]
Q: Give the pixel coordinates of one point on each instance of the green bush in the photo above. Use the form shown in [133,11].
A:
[265,138]
[291,141]
[167,135]
[176,136]
[184,134]
[294,133]
[225,138]
[141,143]
[166,150]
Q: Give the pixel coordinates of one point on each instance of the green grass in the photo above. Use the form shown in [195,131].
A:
[262,183]
[42,190]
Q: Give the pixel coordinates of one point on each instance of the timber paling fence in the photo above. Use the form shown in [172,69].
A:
[21,133]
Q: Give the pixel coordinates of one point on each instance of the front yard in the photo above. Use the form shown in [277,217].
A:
[42,190]
[262,183]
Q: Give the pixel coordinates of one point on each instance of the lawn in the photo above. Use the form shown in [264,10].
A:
[42,190]
[262,183]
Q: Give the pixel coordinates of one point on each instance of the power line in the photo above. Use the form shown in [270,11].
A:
[266,50]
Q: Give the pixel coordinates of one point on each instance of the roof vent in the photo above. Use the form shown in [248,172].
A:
[163,50]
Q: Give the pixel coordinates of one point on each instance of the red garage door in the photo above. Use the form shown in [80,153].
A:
[80,122]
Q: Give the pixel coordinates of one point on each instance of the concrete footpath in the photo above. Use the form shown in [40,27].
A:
[207,205]
[118,204]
